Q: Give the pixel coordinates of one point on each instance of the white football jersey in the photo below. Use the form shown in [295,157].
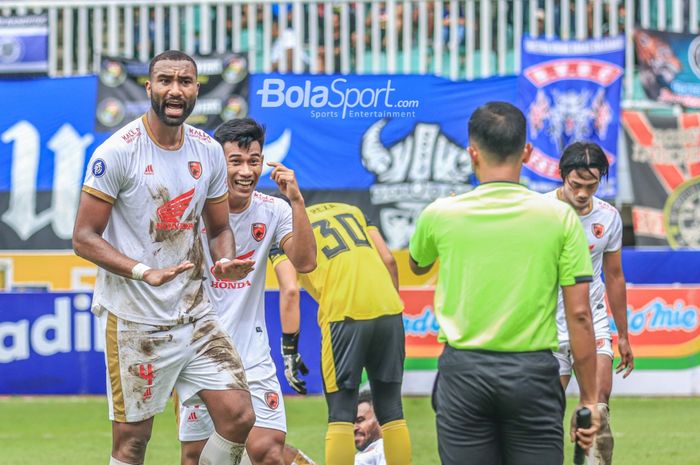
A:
[240,305]
[157,197]
[372,455]
[603,228]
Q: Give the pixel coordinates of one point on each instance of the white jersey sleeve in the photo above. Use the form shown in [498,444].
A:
[218,187]
[284,227]
[615,240]
[106,173]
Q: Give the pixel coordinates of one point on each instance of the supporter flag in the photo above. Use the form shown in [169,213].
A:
[570,91]
[664,158]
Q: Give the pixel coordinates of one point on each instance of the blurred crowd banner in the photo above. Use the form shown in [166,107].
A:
[50,343]
[570,91]
[24,45]
[664,158]
[223,92]
[669,66]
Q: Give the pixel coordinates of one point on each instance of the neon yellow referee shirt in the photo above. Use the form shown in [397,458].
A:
[504,251]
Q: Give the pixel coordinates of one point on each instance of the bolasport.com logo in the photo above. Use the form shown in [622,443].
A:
[338,99]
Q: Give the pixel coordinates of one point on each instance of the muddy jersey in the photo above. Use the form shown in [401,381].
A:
[603,228]
[241,304]
[157,197]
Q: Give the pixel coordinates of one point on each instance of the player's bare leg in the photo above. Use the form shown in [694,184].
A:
[232,413]
[129,441]
[602,450]
[265,446]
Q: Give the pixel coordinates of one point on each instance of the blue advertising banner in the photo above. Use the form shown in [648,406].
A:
[570,91]
[50,343]
[45,138]
[391,144]
[401,139]
[24,44]
[669,66]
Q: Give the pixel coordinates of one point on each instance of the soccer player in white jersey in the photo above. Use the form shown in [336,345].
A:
[582,166]
[144,193]
[259,223]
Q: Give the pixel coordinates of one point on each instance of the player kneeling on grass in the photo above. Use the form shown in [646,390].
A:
[368,438]
[259,222]
[582,166]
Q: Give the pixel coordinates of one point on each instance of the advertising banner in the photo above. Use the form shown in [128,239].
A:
[664,159]
[223,91]
[50,343]
[24,45]
[668,64]
[388,143]
[570,91]
[42,158]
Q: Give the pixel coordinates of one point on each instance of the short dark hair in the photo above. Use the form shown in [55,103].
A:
[243,131]
[171,55]
[583,156]
[365,396]
[498,128]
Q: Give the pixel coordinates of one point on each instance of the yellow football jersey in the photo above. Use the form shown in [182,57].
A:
[350,279]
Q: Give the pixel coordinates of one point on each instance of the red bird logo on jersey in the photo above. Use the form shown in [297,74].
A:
[195,169]
[258,230]
[170,213]
[598,230]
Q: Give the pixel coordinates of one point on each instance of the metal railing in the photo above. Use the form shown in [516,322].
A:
[460,39]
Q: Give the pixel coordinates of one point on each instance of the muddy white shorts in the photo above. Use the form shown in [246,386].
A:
[566,360]
[145,362]
[268,405]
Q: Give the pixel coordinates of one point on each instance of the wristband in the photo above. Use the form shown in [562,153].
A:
[138,270]
[223,260]
[290,343]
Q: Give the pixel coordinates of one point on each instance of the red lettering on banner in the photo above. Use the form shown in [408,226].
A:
[648,222]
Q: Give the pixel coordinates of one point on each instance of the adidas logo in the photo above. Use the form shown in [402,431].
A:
[149,169]
[192,416]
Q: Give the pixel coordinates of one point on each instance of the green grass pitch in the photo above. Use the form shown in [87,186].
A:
[75,431]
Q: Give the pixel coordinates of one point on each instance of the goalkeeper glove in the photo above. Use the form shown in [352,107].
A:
[293,363]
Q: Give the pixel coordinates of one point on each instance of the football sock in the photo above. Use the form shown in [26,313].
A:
[604,442]
[113,461]
[340,444]
[397,443]
[220,451]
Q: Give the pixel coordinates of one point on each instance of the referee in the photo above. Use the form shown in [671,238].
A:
[504,251]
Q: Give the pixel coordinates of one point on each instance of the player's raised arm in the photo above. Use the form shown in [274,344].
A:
[300,246]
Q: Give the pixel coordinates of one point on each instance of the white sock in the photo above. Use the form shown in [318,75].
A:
[113,461]
[220,451]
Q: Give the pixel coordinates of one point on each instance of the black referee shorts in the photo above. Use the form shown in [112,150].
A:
[496,408]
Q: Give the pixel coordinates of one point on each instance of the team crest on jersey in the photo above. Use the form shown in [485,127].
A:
[598,230]
[258,230]
[195,169]
[272,399]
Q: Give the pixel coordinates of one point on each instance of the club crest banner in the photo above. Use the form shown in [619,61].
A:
[570,91]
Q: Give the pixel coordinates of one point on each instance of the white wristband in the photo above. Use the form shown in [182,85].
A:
[223,260]
[138,270]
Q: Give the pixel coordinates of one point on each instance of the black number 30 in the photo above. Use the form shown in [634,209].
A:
[328,230]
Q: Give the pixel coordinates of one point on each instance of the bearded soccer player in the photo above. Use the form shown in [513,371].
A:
[356,285]
[139,220]
[259,222]
[582,166]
